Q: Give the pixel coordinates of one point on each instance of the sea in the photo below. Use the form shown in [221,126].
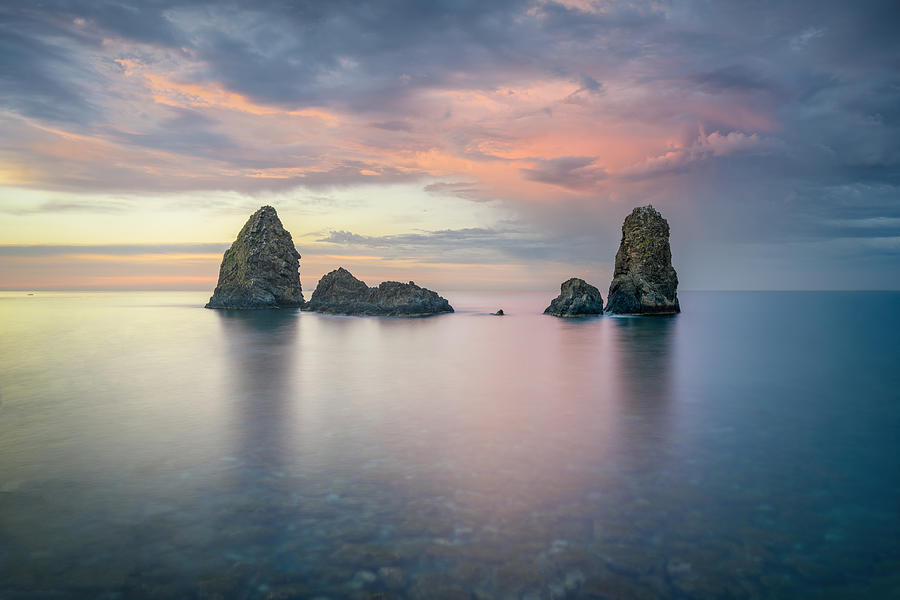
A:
[748,447]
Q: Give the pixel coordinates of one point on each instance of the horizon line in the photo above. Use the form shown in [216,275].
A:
[448,290]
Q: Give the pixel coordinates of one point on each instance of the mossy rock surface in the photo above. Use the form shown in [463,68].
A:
[577,298]
[339,292]
[260,269]
[644,281]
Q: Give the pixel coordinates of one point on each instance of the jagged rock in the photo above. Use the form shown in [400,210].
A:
[260,268]
[644,281]
[339,292]
[577,298]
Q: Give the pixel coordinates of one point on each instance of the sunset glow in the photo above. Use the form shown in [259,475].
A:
[541,124]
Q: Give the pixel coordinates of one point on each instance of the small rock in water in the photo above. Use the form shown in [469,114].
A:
[577,298]
[499,313]
[339,292]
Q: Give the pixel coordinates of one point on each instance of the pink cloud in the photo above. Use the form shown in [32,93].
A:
[703,148]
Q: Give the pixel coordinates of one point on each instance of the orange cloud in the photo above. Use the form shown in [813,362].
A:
[12,174]
[493,137]
[166,91]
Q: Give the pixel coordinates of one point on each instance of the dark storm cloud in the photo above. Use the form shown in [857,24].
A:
[362,55]
[366,56]
[731,78]
[39,78]
[369,55]
[45,69]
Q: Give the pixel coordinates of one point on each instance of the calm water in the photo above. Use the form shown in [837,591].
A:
[748,448]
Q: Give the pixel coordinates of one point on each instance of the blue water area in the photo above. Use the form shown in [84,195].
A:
[747,448]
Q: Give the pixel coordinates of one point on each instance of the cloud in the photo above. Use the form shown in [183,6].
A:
[723,145]
[41,78]
[873,227]
[474,245]
[802,39]
[855,211]
[460,189]
[703,148]
[588,86]
[731,78]
[108,249]
[572,172]
[217,90]
[392,126]
[69,206]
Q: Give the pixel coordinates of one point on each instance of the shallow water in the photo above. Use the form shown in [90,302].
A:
[747,448]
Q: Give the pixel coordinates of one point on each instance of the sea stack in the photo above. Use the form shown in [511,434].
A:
[644,282]
[577,298]
[260,270]
[341,293]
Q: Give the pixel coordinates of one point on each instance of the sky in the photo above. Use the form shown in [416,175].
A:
[463,145]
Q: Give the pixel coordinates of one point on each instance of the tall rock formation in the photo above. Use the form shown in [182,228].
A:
[339,292]
[644,282]
[260,270]
[577,298]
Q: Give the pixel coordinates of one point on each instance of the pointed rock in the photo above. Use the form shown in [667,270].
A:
[577,298]
[339,292]
[260,269]
[644,282]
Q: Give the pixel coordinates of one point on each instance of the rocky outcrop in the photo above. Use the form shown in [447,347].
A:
[260,270]
[644,282]
[577,298]
[339,292]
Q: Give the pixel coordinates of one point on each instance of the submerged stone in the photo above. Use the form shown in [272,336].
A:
[644,281]
[339,292]
[577,298]
[259,270]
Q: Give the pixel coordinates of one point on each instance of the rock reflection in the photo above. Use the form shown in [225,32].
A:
[260,351]
[644,361]
[254,522]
